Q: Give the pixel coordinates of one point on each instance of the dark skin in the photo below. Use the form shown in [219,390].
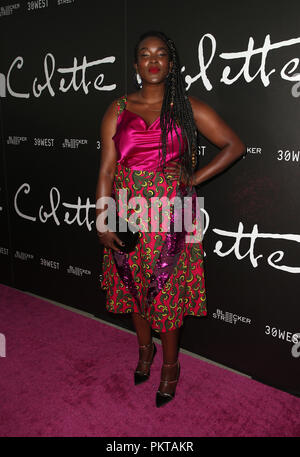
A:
[147,103]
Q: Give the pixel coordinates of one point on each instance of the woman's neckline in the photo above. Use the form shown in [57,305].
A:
[138,115]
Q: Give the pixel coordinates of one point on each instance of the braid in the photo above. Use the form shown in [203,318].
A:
[176,111]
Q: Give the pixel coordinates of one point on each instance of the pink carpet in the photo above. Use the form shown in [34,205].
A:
[67,375]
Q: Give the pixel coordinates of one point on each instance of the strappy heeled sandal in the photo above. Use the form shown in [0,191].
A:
[163,398]
[139,375]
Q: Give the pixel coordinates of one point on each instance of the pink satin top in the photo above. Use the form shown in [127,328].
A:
[137,143]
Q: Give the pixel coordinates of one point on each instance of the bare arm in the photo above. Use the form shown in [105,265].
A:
[213,127]
[107,168]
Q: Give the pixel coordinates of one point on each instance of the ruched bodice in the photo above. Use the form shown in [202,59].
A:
[138,144]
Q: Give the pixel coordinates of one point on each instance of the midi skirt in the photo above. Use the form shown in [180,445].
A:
[162,279]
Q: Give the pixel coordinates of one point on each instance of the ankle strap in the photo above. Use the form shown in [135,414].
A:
[170,364]
[146,346]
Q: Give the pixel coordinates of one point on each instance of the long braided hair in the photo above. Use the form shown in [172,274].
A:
[176,110]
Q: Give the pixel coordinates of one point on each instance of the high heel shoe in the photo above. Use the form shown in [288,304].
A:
[139,375]
[163,398]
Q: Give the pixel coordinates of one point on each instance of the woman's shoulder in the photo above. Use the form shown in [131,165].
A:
[199,107]
[116,106]
[196,102]
[119,101]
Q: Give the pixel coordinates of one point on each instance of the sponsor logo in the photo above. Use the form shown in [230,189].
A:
[295,351]
[47,142]
[296,88]
[282,334]
[73,143]
[230,318]
[253,150]
[77,271]
[288,155]
[37,4]
[64,2]
[49,263]
[23,255]
[16,140]
[8,9]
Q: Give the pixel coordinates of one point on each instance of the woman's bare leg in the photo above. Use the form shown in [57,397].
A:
[143,331]
[170,344]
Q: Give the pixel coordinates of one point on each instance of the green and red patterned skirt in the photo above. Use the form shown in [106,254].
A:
[163,278]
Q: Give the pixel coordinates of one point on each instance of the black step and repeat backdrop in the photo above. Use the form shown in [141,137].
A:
[62,62]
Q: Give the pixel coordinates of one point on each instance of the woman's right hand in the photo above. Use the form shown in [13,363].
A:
[111,240]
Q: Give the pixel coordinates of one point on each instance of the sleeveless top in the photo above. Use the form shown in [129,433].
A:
[138,144]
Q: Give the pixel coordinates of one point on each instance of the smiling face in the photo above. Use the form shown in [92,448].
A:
[153,64]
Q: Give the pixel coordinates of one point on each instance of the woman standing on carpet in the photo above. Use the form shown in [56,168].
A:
[149,139]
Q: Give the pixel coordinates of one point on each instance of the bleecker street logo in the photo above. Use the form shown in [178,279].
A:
[73,143]
[16,140]
[230,318]
[7,10]
[78,271]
